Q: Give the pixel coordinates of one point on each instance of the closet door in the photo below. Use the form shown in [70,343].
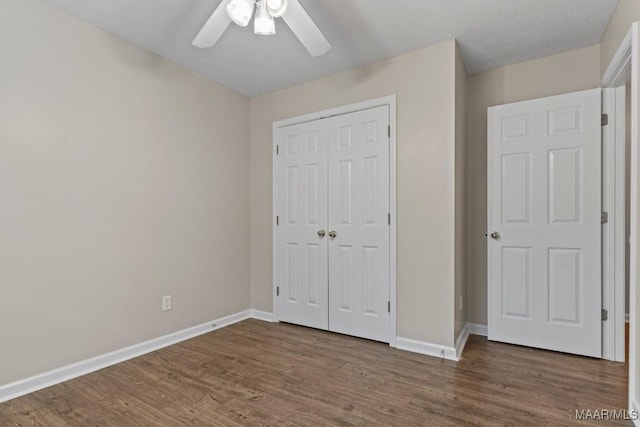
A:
[358,224]
[302,211]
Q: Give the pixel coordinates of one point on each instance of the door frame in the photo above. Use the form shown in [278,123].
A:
[337,111]
[624,66]
[613,231]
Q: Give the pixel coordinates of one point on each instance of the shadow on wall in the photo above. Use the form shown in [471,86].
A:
[136,58]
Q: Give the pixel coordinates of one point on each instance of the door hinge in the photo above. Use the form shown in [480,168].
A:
[604,217]
[605,315]
[277,291]
[389,131]
[277,220]
[388,306]
[604,119]
[389,218]
[277,150]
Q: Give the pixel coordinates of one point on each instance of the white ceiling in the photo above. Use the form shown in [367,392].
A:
[491,33]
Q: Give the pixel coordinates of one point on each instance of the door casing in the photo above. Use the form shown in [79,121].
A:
[613,231]
[625,66]
[351,108]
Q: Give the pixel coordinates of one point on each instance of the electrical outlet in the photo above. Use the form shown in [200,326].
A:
[166,303]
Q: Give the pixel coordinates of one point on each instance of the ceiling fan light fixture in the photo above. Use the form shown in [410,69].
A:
[263,23]
[277,8]
[240,11]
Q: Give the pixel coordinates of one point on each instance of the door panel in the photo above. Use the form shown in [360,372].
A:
[544,182]
[516,282]
[565,266]
[358,175]
[302,204]
[516,191]
[565,170]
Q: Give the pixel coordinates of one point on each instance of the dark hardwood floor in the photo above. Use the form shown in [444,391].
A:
[257,373]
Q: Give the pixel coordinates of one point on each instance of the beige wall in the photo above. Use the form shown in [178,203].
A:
[424,83]
[461,196]
[627,12]
[123,178]
[553,75]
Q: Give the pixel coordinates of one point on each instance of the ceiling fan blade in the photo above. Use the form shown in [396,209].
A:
[305,29]
[215,26]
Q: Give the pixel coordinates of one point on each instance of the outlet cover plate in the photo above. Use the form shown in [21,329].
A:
[166,303]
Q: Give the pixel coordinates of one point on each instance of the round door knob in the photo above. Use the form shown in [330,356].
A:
[322,233]
[333,234]
[495,235]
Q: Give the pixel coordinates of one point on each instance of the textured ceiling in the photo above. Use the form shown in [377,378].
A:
[491,33]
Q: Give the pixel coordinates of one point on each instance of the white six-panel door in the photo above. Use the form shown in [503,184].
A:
[302,213]
[333,236]
[358,214]
[544,243]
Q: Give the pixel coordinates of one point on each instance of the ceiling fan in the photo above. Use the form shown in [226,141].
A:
[241,12]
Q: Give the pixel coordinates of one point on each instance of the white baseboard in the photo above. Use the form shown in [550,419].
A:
[437,350]
[463,336]
[66,373]
[477,329]
[634,412]
[262,315]
[427,348]
[626,317]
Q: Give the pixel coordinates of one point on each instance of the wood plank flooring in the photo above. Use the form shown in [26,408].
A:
[257,373]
